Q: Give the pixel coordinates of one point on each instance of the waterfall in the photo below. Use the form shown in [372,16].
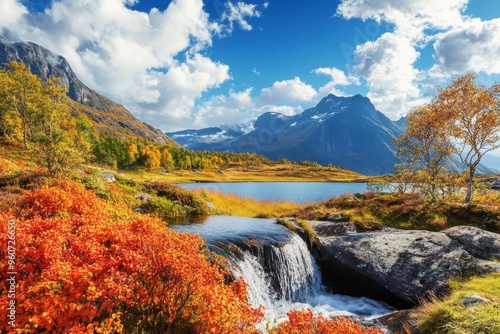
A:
[276,264]
[278,274]
[282,277]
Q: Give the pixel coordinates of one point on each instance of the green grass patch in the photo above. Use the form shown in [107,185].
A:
[452,316]
[371,211]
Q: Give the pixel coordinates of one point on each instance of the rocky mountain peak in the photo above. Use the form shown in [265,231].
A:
[44,63]
[271,120]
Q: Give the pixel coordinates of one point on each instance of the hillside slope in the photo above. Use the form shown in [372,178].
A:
[107,115]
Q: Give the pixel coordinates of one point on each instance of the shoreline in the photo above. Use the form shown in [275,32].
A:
[272,173]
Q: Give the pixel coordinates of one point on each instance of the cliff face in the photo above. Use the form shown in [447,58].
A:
[108,115]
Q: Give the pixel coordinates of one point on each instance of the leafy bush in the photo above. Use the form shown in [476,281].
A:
[163,208]
[64,199]
[82,270]
[97,185]
[305,322]
[193,204]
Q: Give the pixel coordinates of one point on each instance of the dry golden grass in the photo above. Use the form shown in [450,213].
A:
[266,173]
[451,316]
[234,205]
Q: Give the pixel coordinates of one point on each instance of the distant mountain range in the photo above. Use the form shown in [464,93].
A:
[210,139]
[344,131]
[107,115]
[347,132]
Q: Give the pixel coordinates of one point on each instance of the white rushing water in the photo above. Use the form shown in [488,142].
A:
[286,277]
[280,271]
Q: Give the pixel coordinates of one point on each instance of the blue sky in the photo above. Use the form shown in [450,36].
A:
[192,63]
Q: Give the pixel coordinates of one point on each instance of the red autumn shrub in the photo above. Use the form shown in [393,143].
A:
[65,199]
[78,270]
[305,322]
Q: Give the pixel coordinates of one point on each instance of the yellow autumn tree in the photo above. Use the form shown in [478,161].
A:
[5,129]
[132,154]
[36,113]
[167,161]
[151,157]
[56,141]
[425,146]
[474,112]
[22,94]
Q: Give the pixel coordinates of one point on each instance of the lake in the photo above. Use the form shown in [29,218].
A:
[299,192]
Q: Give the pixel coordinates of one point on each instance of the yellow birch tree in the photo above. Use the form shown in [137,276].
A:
[474,111]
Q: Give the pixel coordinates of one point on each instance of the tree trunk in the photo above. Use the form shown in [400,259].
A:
[470,183]
[25,133]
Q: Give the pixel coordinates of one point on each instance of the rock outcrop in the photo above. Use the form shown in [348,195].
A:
[402,267]
[479,243]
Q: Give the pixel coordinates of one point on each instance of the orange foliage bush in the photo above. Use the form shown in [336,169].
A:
[8,165]
[305,322]
[81,270]
[65,199]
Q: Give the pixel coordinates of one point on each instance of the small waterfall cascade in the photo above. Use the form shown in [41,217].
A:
[282,277]
[278,267]
[278,273]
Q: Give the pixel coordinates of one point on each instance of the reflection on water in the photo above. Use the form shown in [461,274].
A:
[230,229]
[171,221]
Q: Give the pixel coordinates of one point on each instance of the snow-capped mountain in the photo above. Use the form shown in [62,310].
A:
[344,131]
[211,139]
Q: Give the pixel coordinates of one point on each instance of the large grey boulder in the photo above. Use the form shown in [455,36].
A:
[404,266]
[480,243]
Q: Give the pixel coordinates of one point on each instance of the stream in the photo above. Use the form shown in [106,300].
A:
[280,271]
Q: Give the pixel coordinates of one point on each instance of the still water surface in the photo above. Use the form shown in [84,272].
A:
[299,192]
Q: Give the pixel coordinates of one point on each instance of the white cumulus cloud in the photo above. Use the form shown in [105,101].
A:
[288,97]
[236,108]
[475,46]
[338,78]
[238,13]
[388,63]
[153,63]
[288,91]
[11,11]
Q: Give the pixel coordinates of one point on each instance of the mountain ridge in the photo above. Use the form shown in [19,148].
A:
[327,133]
[347,132]
[106,114]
